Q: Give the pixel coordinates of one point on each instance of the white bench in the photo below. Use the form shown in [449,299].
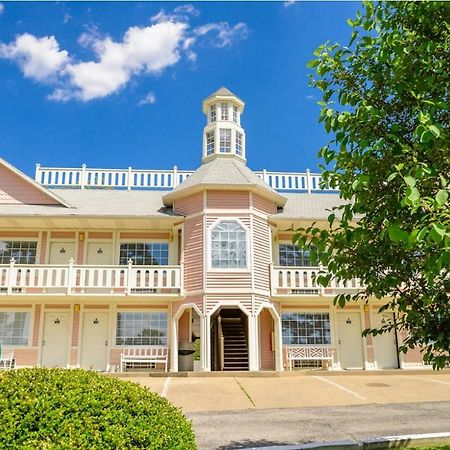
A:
[6,359]
[150,355]
[307,353]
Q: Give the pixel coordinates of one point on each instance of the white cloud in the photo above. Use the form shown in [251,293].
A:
[225,34]
[149,99]
[147,50]
[2,8]
[39,58]
[67,18]
[288,3]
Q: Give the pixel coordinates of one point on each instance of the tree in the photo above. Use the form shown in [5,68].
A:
[386,105]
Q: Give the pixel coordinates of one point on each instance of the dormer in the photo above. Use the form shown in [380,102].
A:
[223,134]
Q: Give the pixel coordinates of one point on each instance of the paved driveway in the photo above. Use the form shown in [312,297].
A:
[238,412]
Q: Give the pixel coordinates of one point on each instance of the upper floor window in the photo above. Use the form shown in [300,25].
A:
[228,246]
[212,112]
[24,252]
[235,114]
[209,143]
[224,111]
[14,327]
[292,255]
[144,253]
[141,328]
[239,144]
[225,141]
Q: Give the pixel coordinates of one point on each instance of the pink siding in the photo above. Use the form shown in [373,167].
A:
[100,235]
[80,252]
[26,356]
[63,235]
[19,234]
[75,328]
[228,199]
[266,328]
[225,280]
[15,190]
[189,205]
[183,327]
[36,325]
[263,205]
[261,254]
[366,324]
[57,306]
[243,299]
[195,299]
[73,357]
[96,306]
[193,254]
[43,248]
[150,235]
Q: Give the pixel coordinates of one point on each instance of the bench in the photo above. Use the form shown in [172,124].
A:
[308,354]
[6,359]
[150,355]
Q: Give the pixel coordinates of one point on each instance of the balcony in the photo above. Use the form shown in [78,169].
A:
[289,281]
[72,279]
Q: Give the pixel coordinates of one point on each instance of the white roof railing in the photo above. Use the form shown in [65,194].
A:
[85,178]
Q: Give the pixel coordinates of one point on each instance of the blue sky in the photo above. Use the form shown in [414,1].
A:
[121,84]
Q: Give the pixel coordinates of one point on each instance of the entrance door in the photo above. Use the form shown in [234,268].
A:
[99,253]
[94,341]
[350,340]
[55,339]
[385,347]
[61,252]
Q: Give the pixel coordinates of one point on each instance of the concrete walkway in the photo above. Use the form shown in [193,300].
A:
[239,412]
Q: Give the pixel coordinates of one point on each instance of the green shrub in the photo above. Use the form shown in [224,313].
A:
[68,409]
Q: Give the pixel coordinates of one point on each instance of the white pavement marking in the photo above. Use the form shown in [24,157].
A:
[166,387]
[432,381]
[342,388]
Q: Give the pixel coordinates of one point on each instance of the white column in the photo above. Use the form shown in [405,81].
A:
[253,343]
[278,345]
[174,346]
[205,343]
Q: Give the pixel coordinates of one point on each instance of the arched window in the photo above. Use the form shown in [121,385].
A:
[228,246]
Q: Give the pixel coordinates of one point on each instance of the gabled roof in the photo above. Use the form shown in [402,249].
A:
[224,173]
[222,93]
[34,184]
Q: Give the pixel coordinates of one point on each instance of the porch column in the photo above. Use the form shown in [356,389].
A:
[253,343]
[174,346]
[205,343]
[278,336]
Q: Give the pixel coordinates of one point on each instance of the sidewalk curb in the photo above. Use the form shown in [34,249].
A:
[380,442]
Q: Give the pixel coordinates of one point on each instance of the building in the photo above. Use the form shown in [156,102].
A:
[95,260]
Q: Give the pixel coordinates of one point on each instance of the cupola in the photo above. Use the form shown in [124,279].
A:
[223,134]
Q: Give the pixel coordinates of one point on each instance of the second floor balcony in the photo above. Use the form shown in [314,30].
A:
[73,279]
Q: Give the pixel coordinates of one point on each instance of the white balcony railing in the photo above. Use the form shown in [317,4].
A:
[161,179]
[74,279]
[302,280]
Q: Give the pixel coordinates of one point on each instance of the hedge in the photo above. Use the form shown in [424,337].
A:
[67,409]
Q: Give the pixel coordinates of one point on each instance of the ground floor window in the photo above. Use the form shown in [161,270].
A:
[306,328]
[141,328]
[14,328]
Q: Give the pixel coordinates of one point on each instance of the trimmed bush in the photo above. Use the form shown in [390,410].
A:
[68,409]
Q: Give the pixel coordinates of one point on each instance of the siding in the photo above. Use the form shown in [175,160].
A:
[189,205]
[193,254]
[15,190]
[183,327]
[261,254]
[244,300]
[263,205]
[228,200]
[266,328]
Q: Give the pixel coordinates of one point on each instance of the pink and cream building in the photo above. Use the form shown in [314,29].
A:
[95,260]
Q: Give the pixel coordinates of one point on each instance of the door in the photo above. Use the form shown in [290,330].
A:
[55,340]
[384,345]
[99,253]
[350,340]
[61,252]
[94,340]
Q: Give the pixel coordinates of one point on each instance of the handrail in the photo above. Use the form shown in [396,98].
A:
[129,178]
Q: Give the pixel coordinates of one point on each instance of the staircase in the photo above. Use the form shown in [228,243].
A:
[235,345]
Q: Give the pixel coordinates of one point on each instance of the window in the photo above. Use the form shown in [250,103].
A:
[239,144]
[213,113]
[224,111]
[291,255]
[228,246]
[225,141]
[24,252]
[141,328]
[235,114]
[145,253]
[14,328]
[209,143]
[306,328]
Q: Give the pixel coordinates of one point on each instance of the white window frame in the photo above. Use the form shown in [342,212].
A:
[210,138]
[213,113]
[235,114]
[240,142]
[230,141]
[224,112]
[145,241]
[210,267]
[38,247]
[30,328]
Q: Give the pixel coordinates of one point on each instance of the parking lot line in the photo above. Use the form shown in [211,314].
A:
[166,387]
[349,391]
[432,381]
